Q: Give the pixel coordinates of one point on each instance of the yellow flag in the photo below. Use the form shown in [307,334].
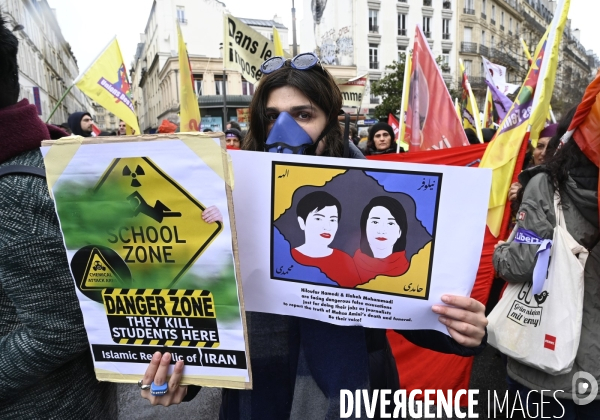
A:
[277,43]
[470,110]
[189,112]
[106,83]
[501,154]
[488,111]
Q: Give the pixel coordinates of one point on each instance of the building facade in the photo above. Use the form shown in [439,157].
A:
[155,68]
[494,29]
[47,66]
[357,37]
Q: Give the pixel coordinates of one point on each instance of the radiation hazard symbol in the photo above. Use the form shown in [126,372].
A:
[158,229]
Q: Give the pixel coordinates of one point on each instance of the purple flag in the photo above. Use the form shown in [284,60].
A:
[501,102]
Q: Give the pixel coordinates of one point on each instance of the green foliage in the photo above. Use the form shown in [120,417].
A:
[390,87]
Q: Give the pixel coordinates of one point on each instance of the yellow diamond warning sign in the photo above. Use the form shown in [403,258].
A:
[99,273]
[158,230]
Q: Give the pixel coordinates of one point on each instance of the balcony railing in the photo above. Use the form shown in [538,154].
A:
[446,5]
[483,50]
[427,3]
[445,36]
[468,11]
[510,32]
[374,100]
[374,65]
[427,34]
[402,1]
[468,47]
[483,16]
[373,28]
[182,20]
[493,21]
[402,32]
[477,82]
[501,27]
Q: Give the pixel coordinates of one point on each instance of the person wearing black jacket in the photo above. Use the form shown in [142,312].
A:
[300,365]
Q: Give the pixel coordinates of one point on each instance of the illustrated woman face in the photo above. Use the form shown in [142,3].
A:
[320,227]
[382,232]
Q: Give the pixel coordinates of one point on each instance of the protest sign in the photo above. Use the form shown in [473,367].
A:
[312,245]
[245,49]
[150,273]
[353,91]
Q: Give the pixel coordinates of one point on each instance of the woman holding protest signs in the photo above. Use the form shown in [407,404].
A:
[300,365]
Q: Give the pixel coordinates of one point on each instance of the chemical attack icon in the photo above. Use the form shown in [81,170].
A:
[159,233]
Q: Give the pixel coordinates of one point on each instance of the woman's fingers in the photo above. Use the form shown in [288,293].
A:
[152,368]
[465,319]
[212,214]
[163,368]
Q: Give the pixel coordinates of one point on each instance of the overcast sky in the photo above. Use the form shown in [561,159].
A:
[89,25]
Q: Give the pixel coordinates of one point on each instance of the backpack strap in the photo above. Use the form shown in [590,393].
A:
[22,169]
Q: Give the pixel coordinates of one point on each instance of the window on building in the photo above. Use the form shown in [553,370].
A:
[445,64]
[247,87]
[373,21]
[483,38]
[427,26]
[510,24]
[468,67]
[401,50]
[483,6]
[467,34]
[402,24]
[181,14]
[493,42]
[502,18]
[517,29]
[219,84]
[198,81]
[373,56]
[446,28]
[494,12]
[469,4]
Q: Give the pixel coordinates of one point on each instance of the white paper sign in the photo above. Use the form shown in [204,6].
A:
[356,242]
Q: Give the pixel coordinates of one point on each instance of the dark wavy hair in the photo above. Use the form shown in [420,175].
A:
[9,69]
[321,90]
[398,213]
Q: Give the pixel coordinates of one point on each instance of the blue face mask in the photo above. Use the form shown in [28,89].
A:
[287,136]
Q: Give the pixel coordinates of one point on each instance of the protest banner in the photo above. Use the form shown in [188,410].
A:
[243,115]
[335,265]
[245,49]
[353,91]
[150,274]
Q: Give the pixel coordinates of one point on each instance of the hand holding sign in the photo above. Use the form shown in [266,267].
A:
[157,373]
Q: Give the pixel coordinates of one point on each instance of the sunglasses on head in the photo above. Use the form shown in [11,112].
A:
[303,61]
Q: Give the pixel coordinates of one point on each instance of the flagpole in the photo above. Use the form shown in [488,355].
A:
[59,102]
[407,58]
[79,78]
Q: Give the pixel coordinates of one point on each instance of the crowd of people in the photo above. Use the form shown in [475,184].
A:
[299,365]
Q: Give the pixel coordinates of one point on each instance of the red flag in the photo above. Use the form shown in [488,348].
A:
[96,130]
[585,126]
[395,124]
[426,369]
[431,119]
